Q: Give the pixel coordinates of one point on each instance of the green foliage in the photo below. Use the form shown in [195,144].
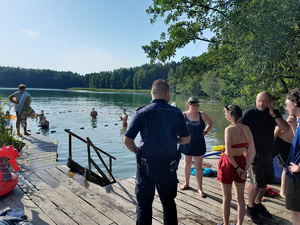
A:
[6,130]
[211,84]
[255,46]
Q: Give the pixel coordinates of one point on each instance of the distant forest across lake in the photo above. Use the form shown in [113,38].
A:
[124,78]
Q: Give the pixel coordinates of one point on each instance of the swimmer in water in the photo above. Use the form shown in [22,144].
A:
[44,124]
[124,118]
[93,113]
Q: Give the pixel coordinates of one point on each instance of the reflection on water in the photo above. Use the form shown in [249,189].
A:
[71,110]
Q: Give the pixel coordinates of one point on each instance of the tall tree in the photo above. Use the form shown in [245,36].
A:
[260,38]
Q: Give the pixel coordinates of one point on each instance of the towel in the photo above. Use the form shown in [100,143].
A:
[207,172]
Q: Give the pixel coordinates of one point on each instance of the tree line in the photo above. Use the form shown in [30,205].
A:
[124,78]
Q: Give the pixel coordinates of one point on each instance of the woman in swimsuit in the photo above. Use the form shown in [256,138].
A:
[196,122]
[234,163]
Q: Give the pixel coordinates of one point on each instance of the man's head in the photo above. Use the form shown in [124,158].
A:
[22,87]
[292,102]
[263,99]
[160,90]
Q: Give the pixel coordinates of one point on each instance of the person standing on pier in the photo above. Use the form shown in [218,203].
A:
[234,163]
[161,127]
[196,122]
[16,97]
[292,188]
[262,121]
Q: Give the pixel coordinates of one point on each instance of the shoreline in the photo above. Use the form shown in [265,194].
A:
[111,90]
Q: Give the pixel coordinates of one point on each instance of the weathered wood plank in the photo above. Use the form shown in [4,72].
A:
[120,201]
[64,202]
[96,199]
[77,201]
[31,210]
[44,203]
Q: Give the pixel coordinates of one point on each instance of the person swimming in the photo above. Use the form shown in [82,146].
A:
[44,124]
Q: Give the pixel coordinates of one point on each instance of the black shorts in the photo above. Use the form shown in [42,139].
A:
[261,170]
[292,193]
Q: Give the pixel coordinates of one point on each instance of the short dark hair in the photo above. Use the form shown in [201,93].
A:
[235,111]
[294,96]
[159,86]
[22,86]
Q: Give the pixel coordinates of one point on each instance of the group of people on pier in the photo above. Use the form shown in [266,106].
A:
[249,141]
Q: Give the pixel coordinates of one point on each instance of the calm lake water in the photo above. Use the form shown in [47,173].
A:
[66,109]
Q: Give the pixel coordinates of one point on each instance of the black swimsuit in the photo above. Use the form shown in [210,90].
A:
[197,146]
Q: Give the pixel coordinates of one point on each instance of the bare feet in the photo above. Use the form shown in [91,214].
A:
[201,193]
[282,195]
[184,187]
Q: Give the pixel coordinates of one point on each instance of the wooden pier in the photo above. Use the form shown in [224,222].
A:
[50,194]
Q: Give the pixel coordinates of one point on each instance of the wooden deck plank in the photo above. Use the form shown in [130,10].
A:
[156,206]
[65,202]
[95,198]
[182,218]
[120,201]
[31,210]
[44,203]
[77,201]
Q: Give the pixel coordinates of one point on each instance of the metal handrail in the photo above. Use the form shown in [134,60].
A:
[91,161]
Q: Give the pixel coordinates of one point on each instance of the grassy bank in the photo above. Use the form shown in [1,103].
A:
[110,90]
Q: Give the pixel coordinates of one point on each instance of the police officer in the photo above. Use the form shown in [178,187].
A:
[161,127]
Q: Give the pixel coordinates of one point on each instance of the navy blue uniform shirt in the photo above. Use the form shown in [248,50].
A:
[159,125]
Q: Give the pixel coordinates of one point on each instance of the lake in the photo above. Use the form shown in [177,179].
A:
[70,109]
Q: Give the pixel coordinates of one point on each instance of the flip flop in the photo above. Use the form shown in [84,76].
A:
[203,195]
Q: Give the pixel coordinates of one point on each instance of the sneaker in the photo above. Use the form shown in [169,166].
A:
[251,212]
[262,211]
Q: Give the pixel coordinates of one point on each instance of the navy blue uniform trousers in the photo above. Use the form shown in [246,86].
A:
[165,180]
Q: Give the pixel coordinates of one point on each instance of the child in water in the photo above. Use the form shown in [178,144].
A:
[124,118]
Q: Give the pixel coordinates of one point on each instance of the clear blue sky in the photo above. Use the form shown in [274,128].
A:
[81,36]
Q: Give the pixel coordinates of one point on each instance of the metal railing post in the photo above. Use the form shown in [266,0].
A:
[70,146]
[89,159]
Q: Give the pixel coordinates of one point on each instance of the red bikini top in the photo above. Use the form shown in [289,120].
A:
[241,145]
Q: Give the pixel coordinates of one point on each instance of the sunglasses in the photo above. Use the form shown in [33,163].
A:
[227,107]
